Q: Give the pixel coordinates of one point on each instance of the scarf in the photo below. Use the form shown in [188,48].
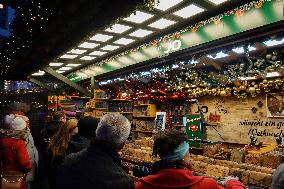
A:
[10,133]
[178,153]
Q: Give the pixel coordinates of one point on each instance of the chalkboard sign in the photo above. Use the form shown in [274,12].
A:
[160,122]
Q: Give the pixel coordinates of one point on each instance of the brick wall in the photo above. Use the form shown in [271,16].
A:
[237,111]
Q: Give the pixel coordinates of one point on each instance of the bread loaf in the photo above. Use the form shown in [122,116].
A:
[217,171]
[260,179]
[271,160]
[253,159]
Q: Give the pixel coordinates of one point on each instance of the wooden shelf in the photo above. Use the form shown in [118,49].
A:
[142,105]
[98,108]
[81,97]
[144,116]
[120,100]
[122,112]
[143,131]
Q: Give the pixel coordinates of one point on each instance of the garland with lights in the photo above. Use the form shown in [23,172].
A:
[249,76]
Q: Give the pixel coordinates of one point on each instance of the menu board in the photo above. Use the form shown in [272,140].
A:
[160,121]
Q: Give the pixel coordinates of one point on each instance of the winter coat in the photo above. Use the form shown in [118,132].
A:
[182,179]
[97,167]
[14,156]
[53,163]
[78,143]
[278,178]
[33,154]
[47,133]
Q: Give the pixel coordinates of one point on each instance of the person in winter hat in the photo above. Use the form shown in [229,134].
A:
[172,172]
[14,153]
[20,123]
[33,153]
[16,122]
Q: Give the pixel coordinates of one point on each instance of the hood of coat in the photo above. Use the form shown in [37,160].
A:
[8,142]
[80,141]
[164,179]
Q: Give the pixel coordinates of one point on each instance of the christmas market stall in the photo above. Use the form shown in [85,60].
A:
[212,69]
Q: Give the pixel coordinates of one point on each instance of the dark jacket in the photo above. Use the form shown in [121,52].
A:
[97,167]
[53,163]
[278,178]
[51,128]
[78,143]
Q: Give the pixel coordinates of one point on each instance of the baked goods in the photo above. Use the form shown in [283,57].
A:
[217,171]
[198,167]
[210,151]
[253,159]
[245,177]
[238,155]
[209,160]
[260,179]
[271,160]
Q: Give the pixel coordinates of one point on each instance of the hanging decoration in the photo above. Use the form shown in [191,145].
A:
[249,76]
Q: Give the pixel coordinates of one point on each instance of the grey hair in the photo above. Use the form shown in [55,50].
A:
[113,128]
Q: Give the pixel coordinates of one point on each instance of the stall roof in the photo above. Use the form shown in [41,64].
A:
[109,57]
[134,28]
[132,31]
[75,41]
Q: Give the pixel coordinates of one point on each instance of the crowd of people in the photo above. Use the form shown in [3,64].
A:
[84,154]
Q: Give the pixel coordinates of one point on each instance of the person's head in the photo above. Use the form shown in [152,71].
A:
[16,122]
[113,128]
[87,126]
[59,142]
[19,108]
[59,116]
[171,145]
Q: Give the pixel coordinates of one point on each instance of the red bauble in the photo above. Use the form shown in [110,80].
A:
[193,127]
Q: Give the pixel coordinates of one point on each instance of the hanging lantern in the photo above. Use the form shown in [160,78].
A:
[243,87]
[223,93]
[251,90]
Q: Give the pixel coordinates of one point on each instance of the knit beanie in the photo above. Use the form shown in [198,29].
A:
[15,122]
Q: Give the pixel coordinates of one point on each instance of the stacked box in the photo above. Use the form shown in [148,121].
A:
[253,159]
[245,177]
[260,179]
[210,151]
[198,166]
[217,171]
[208,160]
[271,160]
[238,155]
